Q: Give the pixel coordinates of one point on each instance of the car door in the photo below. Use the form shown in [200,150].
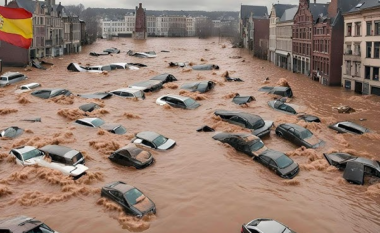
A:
[147,144]
[291,134]
[118,197]
[272,165]
[124,160]
[264,160]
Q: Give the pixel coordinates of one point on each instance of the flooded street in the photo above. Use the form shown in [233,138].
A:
[201,185]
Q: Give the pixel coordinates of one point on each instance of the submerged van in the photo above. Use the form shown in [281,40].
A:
[11,77]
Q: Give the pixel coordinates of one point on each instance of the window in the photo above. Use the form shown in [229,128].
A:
[367,72]
[348,67]
[369,28]
[376,52]
[375,75]
[377,27]
[349,29]
[357,29]
[369,49]
[357,69]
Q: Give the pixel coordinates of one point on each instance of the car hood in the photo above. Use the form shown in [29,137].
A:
[76,170]
[289,168]
[167,145]
[145,205]
[268,125]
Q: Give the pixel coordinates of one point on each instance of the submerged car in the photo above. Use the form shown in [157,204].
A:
[148,86]
[309,118]
[23,224]
[132,200]
[10,78]
[69,165]
[277,161]
[29,86]
[206,67]
[246,143]
[97,122]
[129,93]
[131,155]
[242,99]
[201,87]
[178,101]
[11,132]
[150,54]
[153,140]
[259,127]
[112,50]
[355,168]
[298,135]
[51,93]
[63,154]
[281,91]
[282,107]
[96,95]
[348,127]
[262,225]
[75,67]
[89,107]
[164,78]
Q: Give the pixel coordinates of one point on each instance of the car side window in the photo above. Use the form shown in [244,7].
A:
[290,109]
[272,163]
[346,127]
[265,159]
[126,94]
[18,156]
[181,104]
[83,123]
[282,107]
[238,120]
[116,92]
[369,170]
[145,142]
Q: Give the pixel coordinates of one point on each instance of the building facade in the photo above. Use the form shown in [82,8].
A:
[140,31]
[274,18]
[120,28]
[247,15]
[284,43]
[303,34]
[361,59]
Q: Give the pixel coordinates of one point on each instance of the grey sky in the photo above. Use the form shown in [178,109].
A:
[202,5]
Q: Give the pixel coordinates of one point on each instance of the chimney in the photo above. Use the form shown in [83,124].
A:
[6,3]
[140,5]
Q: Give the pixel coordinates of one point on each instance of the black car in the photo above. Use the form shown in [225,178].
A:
[281,91]
[259,127]
[246,143]
[201,87]
[262,225]
[281,106]
[132,200]
[277,161]
[309,118]
[23,224]
[164,78]
[355,168]
[132,156]
[298,135]
[50,93]
[348,127]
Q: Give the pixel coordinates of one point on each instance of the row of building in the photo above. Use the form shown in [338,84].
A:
[335,43]
[55,32]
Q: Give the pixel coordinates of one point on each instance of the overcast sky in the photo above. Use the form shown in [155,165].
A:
[202,5]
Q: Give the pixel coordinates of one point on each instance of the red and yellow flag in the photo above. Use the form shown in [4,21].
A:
[16,26]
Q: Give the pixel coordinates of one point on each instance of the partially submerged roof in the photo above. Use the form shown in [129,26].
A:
[148,135]
[354,172]
[295,126]
[19,224]
[258,11]
[128,89]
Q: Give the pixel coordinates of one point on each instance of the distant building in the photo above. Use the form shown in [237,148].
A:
[360,69]
[121,28]
[246,23]
[140,31]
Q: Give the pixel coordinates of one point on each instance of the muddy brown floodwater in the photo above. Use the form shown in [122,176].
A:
[200,185]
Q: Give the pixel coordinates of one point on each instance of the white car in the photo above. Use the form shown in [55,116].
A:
[27,87]
[29,155]
[178,101]
[153,140]
[129,93]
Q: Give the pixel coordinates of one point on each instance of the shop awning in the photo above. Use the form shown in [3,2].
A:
[283,53]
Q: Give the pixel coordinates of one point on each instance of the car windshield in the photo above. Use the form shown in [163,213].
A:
[306,134]
[76,158]
[31,154]
[159,140]
[97,122]
[189,102]
[283,161]
[256,145]
[120,130]
[4,79]
[132,196]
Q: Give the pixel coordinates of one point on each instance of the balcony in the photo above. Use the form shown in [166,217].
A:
[352,55]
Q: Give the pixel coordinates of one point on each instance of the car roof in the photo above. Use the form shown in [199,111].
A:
[63,151]
[123,188]
[248,116]
[161,76]
[268,226]
[24,149]
[280,88]
[128,89]
[133,151]
[222,136]
[146,83]
[366,161]
[89,119]
[148,135]
[295,126]
[7,74]
[273,154]
[353,125]
[180,97]
[31,85]
[19,224]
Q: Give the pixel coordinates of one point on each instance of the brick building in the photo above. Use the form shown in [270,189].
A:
[328,38]
[246,23]
[140,31]
[304,20]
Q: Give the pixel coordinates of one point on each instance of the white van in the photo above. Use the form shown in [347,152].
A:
[11,77]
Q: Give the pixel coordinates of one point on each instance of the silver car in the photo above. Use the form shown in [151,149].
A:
[11,77]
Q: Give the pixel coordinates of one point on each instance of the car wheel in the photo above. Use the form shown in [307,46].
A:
[279,134]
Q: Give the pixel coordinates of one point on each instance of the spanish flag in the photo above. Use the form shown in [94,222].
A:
[16,26]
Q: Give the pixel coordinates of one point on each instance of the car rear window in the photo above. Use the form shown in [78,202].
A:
[76,158]
[158,141]
[189,102]
[132,196]
[97,122]
[283,161]
[120,130]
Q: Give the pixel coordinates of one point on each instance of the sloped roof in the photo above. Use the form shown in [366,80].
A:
[347,5]
[27,5]
[258,11]
[289,14]
[365,5]
[318,9]
[280,8]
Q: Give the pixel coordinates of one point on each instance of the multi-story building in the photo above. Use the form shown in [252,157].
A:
[71,33]
[283,53]
[190,26]
[328,37]
[260,37]
[361,59]
[151,25]
[246,23]
[119,28]
[274,18]
[304,20]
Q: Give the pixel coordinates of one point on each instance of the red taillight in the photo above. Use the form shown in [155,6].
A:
[241,230]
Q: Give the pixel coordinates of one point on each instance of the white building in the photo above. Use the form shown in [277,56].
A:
[361,59]
[118,28]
